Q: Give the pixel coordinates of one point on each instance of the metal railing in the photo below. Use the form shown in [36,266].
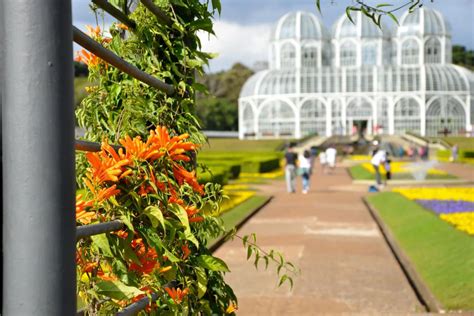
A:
[38,147]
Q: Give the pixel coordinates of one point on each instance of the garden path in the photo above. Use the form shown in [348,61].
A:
[460,170]
[346,265]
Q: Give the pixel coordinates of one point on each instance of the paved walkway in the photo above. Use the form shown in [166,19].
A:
[346,265]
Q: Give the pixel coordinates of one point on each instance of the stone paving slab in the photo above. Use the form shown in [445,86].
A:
[346,266]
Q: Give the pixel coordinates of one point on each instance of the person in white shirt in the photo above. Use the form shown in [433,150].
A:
[305,167]
[323,161]
[378,158]
[331,154]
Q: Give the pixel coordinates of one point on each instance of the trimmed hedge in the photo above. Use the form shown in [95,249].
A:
[464,155]
[215,175]
[260,165]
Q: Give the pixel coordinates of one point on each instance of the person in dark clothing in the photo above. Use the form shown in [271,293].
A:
[290,169]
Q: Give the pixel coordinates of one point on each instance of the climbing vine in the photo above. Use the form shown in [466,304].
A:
[151,183]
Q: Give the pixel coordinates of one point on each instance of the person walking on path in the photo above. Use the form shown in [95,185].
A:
[454,153]
[331,154]
[323,161]
[290,169]
[377,159]
[305,169]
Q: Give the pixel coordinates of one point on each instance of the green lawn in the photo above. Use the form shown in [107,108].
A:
[464,143]
[236,145]
[358,172]
[442,255]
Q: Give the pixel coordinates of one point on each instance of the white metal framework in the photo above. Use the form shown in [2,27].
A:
[362,77]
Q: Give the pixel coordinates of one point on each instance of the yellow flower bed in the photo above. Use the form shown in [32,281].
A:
[235,198]
[401,167]
[266,175]
[360,157]
[462,221]
[457,193]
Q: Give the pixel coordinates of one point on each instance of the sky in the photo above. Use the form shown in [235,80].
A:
[243,29]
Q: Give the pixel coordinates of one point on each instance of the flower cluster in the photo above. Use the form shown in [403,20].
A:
[149,187]
[454,205]
[398,167]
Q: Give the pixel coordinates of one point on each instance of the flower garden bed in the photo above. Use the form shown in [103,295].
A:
[440,253]
[453,205]
[400,171]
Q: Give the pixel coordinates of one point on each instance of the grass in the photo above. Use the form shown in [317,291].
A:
[464,143]
[236,145]
[358,172]
[442,255]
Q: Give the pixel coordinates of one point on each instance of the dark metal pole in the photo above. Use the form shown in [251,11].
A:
[39,234]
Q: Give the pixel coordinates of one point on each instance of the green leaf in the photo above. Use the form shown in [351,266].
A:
[117,290]
[393,17]
[155,215]
[249,252]
[282,279]
[202,281]
[216,4]
[318,5]
[213,263]
[181,214]
[154,240]
[126,221]
[348,13]
[381,5]
[102,242]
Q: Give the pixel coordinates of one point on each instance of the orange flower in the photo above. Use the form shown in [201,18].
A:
[148,290]
[186,251]
[148,258]
[231,308]
[93,31]
[122,26]
[106,193]
[182,176]
[105,168]
[89,267]
[83,216]
[176,294]
[87,58]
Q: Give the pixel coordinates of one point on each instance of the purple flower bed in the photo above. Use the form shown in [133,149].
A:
[447,206]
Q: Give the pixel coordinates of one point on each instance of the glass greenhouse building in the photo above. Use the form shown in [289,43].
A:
[358,78]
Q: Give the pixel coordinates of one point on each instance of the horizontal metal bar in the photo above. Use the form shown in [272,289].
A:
[88,43]
[96,229]
[116,13]
[139,305]
[85,145]
[160,15]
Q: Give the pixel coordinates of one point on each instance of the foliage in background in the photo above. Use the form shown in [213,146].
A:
[218,110]
[463,57]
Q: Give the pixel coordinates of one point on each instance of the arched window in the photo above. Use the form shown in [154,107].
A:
[248,119]
[432,51]
[313,118]
[369,54]
[288,56]
[309,57]
[445,113]
[348,54]
[276,119]
[407,116]
[336,118]
[410,52]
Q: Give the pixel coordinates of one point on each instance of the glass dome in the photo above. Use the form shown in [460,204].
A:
[448,78]
[423,21]
[362,27]
[300,25]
